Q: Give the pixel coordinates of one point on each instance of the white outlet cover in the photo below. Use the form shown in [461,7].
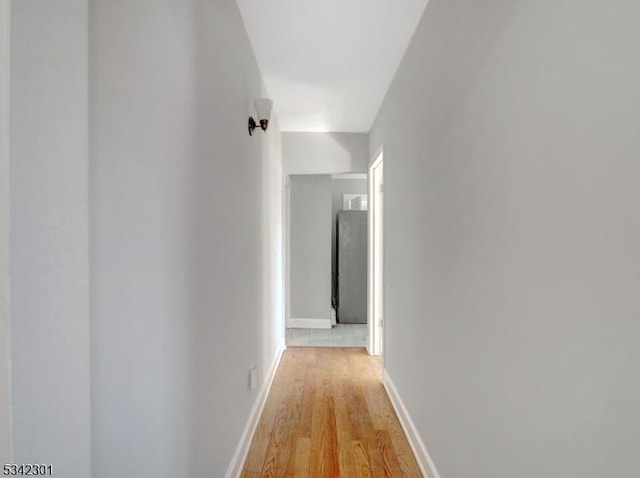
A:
[253,378]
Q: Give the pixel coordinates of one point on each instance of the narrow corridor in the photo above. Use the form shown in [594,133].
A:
[328,415]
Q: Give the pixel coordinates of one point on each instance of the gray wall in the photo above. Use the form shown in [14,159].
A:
[186,237]
[5,354]
[511,153]
[338,188]
[325,153]
[50,234]
[311,247]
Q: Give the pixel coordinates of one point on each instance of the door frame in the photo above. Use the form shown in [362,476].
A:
[375,272]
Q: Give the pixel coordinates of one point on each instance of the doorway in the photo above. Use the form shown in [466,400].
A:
[376,257]
[327,243]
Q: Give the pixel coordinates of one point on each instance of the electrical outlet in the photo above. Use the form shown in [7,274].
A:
[253,377]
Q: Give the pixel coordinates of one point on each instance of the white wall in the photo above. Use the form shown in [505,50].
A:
[186,236]
[325,153]
[311,247]
[511,185]
[5,354]
[49,235]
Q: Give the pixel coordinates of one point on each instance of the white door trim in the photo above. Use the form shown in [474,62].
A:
[376,330]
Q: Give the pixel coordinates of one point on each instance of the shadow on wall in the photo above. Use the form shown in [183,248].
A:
[314,116]
[325,153]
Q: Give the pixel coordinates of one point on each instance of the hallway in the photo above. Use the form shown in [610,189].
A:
[328,415]
[149,247]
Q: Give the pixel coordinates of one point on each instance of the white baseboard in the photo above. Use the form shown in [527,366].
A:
[415,441]
[240,455]
[309,323]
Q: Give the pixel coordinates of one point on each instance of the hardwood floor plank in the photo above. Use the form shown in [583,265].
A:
[277,443]
[308,368]
[250,474]
[324,457]
[328,416]
[259,446]
[280,457]
[346,457]
[392,467]
[361,377]
[373,392]
[363,464]
[405,456]
[303,457]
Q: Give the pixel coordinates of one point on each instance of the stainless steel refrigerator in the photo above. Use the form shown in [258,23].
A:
[351,257]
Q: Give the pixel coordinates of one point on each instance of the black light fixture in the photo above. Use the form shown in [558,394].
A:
[263,109]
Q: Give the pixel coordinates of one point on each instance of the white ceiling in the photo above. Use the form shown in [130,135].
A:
[327,64]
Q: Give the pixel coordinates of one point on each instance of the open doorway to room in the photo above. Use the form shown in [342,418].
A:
[376,317]
[327,274]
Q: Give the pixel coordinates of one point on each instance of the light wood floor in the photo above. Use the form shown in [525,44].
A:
[328,415]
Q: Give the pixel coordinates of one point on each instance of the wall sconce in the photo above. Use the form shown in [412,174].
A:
[263,109]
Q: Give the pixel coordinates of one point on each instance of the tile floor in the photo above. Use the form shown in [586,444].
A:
[342,335]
